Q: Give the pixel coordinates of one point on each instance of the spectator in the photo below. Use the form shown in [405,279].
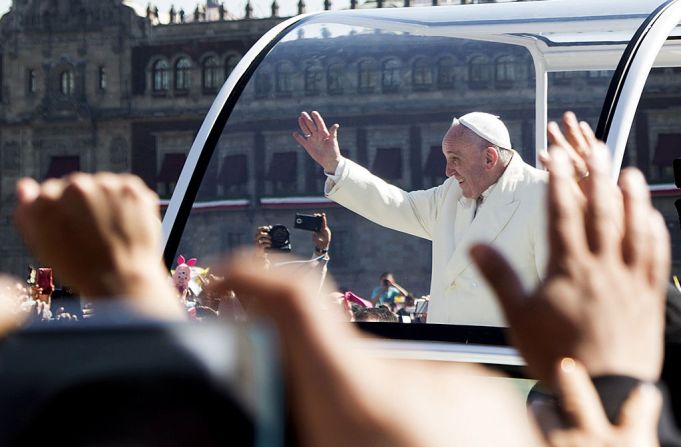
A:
[321,241]
[376,314]
[387,291]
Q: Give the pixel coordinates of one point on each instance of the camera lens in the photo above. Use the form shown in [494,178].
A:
[280,238]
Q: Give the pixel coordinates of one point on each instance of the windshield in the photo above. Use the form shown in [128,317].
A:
[394,88]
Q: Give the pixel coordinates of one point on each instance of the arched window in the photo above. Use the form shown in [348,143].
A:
[445,73]
[390,78]
[160,76]
[183,74]
[284,78]
[334,79]
[231,62]
[505,70]
[479,72]
[366,76]
[263,82]
[211,73]
[422,74]
[67,83]
[313,79]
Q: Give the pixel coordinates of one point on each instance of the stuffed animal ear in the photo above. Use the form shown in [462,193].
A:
[180,260]
[191,262]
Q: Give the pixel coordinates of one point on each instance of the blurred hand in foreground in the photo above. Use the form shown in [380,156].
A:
[338,390]
[602,301]
[102,234]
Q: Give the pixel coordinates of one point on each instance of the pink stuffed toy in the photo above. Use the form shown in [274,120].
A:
[182,274]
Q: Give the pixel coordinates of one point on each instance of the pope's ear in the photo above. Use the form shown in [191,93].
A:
[491,157]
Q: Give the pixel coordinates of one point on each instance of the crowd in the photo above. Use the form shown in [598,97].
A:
[591,331]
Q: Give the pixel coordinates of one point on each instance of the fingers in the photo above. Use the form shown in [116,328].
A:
[556,137]
[320,124]
[502,278]
[588,133]
[579,399]
[307,125]
[566,232]
[659,267]
[575,136]
[27,190]
[635,243]
[333,132]
[602,233]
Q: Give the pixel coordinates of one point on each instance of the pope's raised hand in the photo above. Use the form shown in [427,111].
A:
[319,142]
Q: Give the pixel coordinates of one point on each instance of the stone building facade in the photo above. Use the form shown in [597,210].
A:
[77,92]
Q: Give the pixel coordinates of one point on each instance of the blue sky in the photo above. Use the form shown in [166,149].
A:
[261,8]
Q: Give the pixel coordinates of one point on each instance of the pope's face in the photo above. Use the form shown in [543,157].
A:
[466,161]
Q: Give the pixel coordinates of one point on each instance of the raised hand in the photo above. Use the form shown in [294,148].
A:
[319,142]
[602,301]
[322,238]
[102,234]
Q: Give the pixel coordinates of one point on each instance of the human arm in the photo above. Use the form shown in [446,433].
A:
[263,241]
[360,191]
[321,239]
[101,233]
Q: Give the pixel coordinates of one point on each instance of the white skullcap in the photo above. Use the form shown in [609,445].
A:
[488,127]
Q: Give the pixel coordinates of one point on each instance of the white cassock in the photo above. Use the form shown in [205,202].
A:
[512,217]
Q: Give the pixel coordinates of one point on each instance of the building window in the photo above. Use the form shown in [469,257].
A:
[479,72]
[388,163]
[434,169]
[169,173]
[31,81]
[263,84]
[366,72]
[445,73]
[67,83]
[505,71]
[231,63]
[62,165]
[313,79]
[334,79]
[284,79]
[391,75]
[422,74]
[283,172]
[234,174]
[102,78]
[211,73]
[183,74]
[160,76]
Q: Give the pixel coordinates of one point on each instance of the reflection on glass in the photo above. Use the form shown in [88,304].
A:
[394,96]
[654,143]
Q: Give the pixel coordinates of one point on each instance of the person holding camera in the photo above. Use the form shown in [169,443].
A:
[387,291]
[270,238]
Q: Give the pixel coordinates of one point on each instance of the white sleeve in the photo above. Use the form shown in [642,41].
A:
[355,188]
[332,179]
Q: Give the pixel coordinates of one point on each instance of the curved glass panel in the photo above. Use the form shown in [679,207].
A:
[655,141]
[393,84]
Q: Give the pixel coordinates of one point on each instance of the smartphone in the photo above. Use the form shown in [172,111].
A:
[308,222]
[44,280]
